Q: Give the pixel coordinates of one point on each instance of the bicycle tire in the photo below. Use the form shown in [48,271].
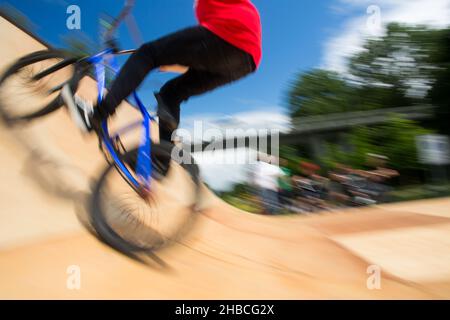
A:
[108,234]
[28,60]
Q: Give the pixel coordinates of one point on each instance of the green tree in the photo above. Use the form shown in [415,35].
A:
[319,92]
[395,139]
[439,94]
[395,70]
[409,65]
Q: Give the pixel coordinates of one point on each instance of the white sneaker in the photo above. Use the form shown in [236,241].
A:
[80,110]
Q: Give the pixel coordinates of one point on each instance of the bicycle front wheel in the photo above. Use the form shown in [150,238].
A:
[133,224]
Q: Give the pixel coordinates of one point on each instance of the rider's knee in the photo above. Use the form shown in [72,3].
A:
[148,52]
[146,48]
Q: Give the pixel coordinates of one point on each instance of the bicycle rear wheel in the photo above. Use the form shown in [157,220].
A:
[131,224]
[24,95]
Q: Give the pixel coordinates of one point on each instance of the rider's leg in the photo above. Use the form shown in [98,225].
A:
[180,89]
[195,47]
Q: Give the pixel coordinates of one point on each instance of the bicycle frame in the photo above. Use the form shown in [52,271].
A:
[144,163]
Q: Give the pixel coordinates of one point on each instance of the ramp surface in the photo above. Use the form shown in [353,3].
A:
[229,254]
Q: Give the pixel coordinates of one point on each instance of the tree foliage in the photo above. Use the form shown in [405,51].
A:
[408,65]
[319,92]
[395,139]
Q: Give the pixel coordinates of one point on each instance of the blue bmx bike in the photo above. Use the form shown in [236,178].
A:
[135,205]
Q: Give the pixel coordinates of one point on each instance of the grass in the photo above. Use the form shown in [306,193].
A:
[419,192]
[242,204]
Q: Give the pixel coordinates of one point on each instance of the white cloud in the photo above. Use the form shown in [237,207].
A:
[222,169]
[263,118]
[220,176]
[435,13]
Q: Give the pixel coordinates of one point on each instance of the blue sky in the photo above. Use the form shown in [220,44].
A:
[293,36]
[297,36]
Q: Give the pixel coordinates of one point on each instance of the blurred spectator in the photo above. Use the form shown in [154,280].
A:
[337,193]
[285,184]
[278,190]
[266,180]
[308,168]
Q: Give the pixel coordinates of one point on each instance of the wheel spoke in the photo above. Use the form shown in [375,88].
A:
[145,224]
[24,95]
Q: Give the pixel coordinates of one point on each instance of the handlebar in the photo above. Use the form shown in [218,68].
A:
[128,7]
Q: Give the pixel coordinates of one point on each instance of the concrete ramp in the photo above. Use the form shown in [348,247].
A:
[228,255]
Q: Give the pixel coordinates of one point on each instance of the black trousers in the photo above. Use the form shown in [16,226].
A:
[212,63]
